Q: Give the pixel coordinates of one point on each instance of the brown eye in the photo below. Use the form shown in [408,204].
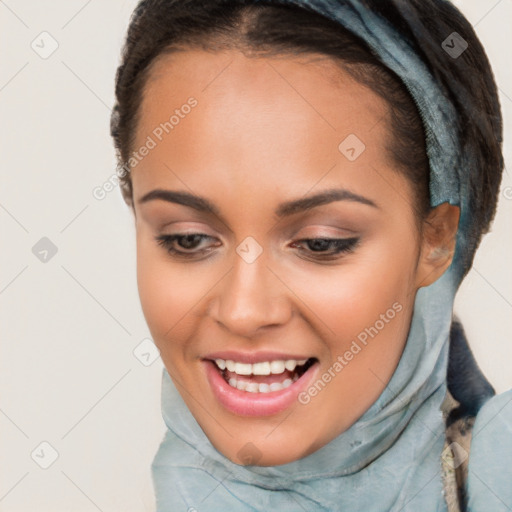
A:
[187,241]
[327,247]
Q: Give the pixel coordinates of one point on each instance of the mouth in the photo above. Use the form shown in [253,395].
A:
[263,377]
[259,388]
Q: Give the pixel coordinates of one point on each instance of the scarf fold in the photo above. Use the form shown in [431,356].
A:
[390,459]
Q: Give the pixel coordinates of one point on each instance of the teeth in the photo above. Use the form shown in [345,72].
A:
[276,386]
[262,368]
[262,387]
[276,367]
[243,369]
[290,364]
[252,387]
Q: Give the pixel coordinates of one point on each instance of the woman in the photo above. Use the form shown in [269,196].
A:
[310,181]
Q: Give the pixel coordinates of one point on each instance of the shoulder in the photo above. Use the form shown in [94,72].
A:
[489,483]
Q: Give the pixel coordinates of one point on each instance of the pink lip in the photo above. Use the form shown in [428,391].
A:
[245,403]
[254,357]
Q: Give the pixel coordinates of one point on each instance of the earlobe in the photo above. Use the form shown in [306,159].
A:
[438,255]
[438,243]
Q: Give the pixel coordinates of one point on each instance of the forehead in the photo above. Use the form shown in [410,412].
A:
[301,85]
[265,123]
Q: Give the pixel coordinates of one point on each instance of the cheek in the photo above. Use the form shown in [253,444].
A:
[362,307]
[350,296]
[168,293]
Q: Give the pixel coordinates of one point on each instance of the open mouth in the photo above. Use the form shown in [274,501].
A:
[260,388]
[264,376]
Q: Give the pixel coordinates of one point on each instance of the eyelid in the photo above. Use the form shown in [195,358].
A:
[342,247]
[296,237]
[323,232]
[191,228]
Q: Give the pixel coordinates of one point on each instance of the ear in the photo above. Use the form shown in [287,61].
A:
[438,243]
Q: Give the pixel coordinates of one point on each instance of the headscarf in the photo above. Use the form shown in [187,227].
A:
[389,459]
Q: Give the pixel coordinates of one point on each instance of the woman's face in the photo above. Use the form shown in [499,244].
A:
[262,155]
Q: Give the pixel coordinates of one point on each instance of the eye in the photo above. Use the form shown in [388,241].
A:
[319,247]
[187,241]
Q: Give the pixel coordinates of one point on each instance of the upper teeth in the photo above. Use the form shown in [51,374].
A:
[262,368]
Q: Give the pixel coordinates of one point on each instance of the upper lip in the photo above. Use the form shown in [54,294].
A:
[254,357]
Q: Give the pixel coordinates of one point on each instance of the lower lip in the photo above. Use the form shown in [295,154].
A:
[245,403]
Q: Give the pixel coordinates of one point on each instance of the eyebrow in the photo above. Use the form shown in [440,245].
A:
[285,209]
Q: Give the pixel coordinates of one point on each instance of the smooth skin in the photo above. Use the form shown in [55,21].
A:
[266,131]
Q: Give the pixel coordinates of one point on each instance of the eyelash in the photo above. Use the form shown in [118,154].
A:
[342,245]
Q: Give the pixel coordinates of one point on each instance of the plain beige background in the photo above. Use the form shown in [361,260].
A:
[78,393]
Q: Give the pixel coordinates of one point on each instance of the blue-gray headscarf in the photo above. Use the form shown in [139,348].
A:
[390,459]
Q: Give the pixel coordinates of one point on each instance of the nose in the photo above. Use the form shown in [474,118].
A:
[251,298]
